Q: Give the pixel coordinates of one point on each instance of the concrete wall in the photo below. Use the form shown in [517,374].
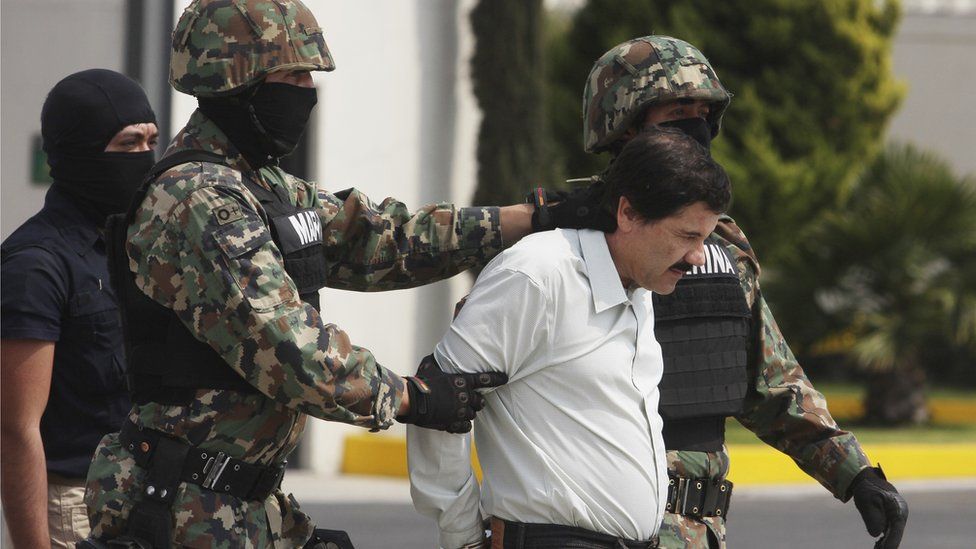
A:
[42,41]
[935,54]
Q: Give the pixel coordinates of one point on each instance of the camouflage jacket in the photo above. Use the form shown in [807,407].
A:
[781,406]
[224,278]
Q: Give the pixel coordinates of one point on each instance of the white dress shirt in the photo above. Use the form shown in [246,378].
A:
[574,438]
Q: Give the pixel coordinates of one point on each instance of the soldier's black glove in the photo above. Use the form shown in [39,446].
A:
[579,208]
[328,539]
[446,402]
[881,506]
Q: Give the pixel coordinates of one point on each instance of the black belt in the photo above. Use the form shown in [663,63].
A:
[698,497]
[519,534]
[206,468]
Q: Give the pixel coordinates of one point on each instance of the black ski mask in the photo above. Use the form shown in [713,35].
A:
[265,123]
[81,115]
[283,111]
[696,128]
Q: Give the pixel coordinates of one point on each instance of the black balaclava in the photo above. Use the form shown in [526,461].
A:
[81,115]
[264,122]
[696,128]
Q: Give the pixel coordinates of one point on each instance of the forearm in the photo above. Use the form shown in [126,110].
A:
[788,413]
[24,487]
[443,485]
[385,247]
[314,368]
[516,222]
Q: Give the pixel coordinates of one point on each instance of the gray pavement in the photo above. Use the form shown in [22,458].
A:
[378,515]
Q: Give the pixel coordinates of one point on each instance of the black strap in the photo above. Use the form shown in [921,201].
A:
[698,497]
[209,469]
[519,534]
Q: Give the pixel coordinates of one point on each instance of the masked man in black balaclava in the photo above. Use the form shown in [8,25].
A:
[62,357]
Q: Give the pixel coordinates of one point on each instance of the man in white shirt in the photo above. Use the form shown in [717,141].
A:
[571,447]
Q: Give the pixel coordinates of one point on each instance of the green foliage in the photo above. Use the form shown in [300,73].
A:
[813,91]
[894,265]
[507,69]
[896,262]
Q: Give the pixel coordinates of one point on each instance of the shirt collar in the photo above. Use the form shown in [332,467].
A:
[605,283]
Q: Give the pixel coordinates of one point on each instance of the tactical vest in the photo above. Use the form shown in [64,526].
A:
[166,363]
[703,329]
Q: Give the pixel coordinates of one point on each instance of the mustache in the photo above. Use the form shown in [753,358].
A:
[682,266]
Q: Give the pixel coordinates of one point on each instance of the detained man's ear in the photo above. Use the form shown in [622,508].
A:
[627,216]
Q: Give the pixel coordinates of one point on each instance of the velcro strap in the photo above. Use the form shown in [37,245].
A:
[209,469]
[698,497]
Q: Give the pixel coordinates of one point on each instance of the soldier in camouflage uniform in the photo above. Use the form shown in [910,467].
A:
[218,265]
[724,354]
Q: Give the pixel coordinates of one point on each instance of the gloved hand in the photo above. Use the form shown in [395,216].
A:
[329,539]
[446,402]
[579,208]
[881,506]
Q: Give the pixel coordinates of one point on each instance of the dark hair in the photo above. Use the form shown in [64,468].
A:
[663,170]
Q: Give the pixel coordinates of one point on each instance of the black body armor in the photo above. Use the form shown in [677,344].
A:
[166,362]
[703,328]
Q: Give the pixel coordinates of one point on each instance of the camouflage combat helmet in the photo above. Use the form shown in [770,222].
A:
[639,73]
[222,46]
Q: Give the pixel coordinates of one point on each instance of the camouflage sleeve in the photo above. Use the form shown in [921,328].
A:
[385,247]
[785,411]
[202,250]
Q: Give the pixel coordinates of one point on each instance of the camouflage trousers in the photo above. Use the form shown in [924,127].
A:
[681,532]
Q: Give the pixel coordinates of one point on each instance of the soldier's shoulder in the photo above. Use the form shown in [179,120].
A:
[734,238]
[179,182]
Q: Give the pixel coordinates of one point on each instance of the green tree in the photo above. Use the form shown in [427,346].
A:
[509,84]
[813,92]
[894,266]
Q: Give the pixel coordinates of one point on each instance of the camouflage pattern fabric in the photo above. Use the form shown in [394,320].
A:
[200,246]
[220,46]
[640,72]
[782,408]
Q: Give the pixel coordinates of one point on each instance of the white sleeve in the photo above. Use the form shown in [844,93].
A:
[502,327]
[442,484]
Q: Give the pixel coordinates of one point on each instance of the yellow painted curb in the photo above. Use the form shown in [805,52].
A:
[375,455]
[751,464]
[760,464]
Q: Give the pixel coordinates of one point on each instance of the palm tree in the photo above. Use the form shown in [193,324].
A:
[896,267]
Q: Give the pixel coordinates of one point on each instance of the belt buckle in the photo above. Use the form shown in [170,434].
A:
[213,469]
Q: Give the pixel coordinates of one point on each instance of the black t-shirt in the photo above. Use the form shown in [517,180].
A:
[54,286]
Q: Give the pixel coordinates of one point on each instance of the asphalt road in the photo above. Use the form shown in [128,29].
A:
[378,514]
[801,518]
